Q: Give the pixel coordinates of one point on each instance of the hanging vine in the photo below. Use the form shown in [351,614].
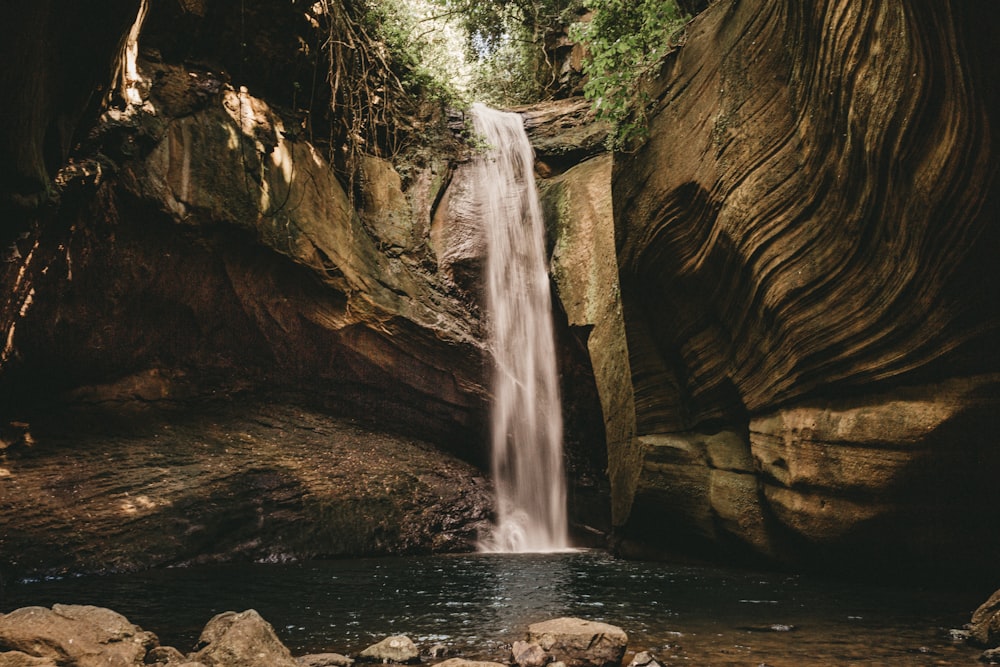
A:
[368,100]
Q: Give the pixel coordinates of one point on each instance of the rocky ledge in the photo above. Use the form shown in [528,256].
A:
[251,478]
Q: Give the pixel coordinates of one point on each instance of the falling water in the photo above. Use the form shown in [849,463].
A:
[526,420]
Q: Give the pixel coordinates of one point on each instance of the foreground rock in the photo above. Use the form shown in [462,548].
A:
[241,640]
[580,643]
[77,635]
[87,636]
[398,649]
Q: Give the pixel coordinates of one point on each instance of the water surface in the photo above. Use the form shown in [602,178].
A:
[477,604]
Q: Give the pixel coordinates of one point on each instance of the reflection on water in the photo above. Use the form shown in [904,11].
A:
[477,604]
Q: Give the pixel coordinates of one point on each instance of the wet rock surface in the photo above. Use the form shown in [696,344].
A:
[243,480]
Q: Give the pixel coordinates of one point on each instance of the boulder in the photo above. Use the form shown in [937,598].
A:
[580,643]
[398,649]
[565,132]
[81,635]
[984,629]
[242,639]
[529,654]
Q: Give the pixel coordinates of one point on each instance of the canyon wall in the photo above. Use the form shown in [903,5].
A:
[805,245]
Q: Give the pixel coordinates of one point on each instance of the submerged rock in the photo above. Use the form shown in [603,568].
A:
[990,656]
[580,643]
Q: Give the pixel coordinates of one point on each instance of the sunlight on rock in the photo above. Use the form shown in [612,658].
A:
[281,156]
[137,504]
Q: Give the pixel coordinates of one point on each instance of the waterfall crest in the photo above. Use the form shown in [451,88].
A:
[527,413]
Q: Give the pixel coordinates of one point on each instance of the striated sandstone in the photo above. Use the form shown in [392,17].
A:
[804,248]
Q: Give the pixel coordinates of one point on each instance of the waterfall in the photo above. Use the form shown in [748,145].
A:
[526,417]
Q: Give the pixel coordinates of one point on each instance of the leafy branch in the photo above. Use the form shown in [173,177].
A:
[626,41]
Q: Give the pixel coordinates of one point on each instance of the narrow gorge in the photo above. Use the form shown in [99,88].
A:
[228,337]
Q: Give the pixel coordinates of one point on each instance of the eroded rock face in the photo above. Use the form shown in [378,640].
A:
[802,246]
[228,249]
[257,480]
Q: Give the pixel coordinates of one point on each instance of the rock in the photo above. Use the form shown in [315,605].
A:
[82,635]
[990,656]
[456,235]
[167,656]
[298,484]
[565,132]
[242,639]
[18,659]
[584,268]
[438,651]
[644,659]
[984,629]
[164,654]
[324,660]
[778,278]
[580,643]
[398,649]
[527,654]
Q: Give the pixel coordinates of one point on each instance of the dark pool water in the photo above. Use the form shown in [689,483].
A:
[477,604]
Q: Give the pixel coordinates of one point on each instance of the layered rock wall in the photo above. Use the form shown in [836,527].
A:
[804,245]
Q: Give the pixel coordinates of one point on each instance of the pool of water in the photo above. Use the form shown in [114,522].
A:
[477,604]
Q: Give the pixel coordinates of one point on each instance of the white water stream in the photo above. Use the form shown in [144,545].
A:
[527,420]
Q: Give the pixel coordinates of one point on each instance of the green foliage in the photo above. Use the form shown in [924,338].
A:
[626,40]
[506,45]
[419,47]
